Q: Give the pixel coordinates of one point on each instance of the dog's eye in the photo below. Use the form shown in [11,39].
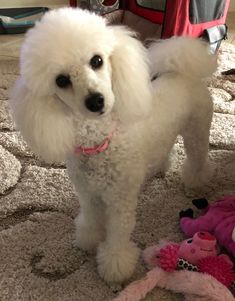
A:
[96,62]
[63,81]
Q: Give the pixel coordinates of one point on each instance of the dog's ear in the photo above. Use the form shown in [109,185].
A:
[130,76]
[43,122]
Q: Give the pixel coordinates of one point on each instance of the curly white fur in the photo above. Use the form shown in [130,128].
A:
[148,117]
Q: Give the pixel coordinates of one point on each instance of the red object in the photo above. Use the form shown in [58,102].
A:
[169,257]
[219,268]
[175,18]
[73,3]
[109,2]
[206,236]
[183,17]
[177,21]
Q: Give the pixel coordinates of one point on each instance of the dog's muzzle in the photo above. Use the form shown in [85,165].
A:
[95,102]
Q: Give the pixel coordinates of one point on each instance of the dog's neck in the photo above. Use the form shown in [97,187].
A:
[89,133]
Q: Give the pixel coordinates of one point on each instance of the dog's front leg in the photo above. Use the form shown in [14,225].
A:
[89,223]
[117,255]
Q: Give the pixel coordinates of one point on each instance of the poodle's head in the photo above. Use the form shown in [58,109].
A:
[74,65]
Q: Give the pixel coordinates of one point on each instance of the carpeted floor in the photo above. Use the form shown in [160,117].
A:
[37,206]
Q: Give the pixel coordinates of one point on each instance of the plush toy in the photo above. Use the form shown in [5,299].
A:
[193,268]
[217,218]
[199,253]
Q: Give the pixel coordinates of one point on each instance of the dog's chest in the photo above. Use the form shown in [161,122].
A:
[96,171]
[104,169]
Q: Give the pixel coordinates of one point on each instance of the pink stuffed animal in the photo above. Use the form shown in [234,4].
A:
[217,218]
[201,245]
[199,253]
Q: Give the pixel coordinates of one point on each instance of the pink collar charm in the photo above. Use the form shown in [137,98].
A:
[90,151]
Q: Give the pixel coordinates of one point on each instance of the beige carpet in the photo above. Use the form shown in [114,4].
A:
[37,207]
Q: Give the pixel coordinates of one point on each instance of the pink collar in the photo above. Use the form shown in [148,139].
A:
[90,151]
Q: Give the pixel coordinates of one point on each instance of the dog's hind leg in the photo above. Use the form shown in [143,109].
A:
[197,169]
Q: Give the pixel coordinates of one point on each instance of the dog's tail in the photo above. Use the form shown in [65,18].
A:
[187,56]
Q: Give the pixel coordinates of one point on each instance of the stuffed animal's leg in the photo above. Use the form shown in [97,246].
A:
[196,286]
[140,288]
[190,226]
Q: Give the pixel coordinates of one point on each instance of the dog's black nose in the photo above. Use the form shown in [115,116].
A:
[95,102]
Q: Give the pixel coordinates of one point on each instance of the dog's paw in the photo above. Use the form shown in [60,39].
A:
[117,265]
[87,236]
[197,177]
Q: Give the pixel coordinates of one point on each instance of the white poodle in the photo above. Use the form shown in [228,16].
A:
[85,96]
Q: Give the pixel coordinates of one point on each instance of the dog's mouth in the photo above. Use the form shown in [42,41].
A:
[105,112]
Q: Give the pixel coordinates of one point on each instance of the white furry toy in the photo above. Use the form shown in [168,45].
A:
[85,95]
